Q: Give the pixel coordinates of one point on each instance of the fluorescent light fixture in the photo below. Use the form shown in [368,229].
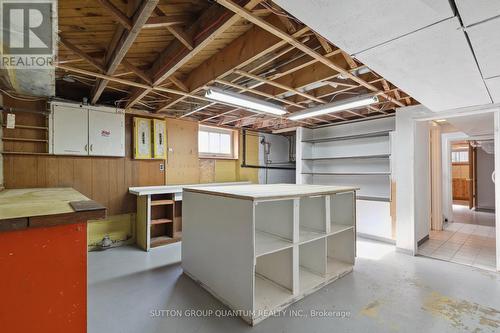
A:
[440,120]
[345,104]
[243,101]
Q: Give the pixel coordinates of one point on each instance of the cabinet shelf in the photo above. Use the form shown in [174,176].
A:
[349,137]
[266,243]
[381,156]
[161,202]
[336,268]
[348,173]
[25,140]
[338,228]
[28,127]
[368,198]
[160,221]
[162,240]
[269,295]
[307,235]
[308,280]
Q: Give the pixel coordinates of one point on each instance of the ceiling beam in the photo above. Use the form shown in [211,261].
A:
[119,16]
[77,51]
[137,71]
[244,50]
[293,41]
[175,55]
[125,42]
[165,21]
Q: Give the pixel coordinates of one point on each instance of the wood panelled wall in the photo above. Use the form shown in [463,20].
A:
[104,179]
[107,179]
[460,181]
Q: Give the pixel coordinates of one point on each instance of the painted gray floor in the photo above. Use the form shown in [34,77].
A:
[387,292]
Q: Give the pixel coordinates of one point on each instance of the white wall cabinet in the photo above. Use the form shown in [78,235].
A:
[87,131]
[69,130]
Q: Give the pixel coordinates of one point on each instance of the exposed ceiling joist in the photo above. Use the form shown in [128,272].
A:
[125,43]
[293,41]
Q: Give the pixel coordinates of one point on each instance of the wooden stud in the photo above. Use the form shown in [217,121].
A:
[126,41]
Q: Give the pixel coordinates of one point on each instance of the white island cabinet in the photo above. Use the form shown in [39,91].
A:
[259,248]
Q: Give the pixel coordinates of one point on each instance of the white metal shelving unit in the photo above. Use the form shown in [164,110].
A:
[354,154]
[259,248]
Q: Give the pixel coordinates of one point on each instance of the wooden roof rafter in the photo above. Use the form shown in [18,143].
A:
[249,46]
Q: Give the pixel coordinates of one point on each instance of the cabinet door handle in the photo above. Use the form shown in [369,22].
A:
[91,147]
[86,147]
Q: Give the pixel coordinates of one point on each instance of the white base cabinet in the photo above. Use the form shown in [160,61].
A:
[259,248]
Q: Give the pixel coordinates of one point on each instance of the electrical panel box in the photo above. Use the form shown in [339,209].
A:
[142,138]
[159,139]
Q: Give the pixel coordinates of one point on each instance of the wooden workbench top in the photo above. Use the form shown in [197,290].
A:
[270,191]
[36,207]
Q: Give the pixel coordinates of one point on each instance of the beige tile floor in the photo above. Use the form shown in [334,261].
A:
[464,243]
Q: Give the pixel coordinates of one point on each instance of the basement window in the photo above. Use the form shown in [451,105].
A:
[460,156]
[215,142]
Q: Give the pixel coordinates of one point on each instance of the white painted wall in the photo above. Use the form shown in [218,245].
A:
[497,183]
[485,185]
[412,175]
[446,140]
[279,156]
[422,178]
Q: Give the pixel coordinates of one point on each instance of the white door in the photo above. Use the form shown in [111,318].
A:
[70,130]
[106,133]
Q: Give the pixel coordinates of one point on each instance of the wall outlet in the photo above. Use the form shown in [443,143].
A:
[162,167]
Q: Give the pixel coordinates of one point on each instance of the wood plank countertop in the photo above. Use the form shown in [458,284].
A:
[270,191]
[42,207]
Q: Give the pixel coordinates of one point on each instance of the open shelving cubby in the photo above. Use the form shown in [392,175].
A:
[273,226]
[162,226]
[340,255]
[312,264]
[312,218]
[273,279]
[342,212]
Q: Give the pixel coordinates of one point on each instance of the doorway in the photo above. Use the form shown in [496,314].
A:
[467,235]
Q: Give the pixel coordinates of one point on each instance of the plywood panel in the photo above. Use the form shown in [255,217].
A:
[183,164]
[207,171]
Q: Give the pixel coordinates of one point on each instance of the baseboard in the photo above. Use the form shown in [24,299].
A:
[485,209]
[377,238]
[405,251]
[420,242]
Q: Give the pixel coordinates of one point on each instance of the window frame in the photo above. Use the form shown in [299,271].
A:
[233,155]
[458,153]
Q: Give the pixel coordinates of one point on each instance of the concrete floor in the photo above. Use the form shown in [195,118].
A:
[387,292]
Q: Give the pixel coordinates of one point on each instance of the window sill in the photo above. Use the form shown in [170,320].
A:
[205,157]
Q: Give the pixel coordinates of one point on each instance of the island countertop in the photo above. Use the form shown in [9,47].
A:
[270,191]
